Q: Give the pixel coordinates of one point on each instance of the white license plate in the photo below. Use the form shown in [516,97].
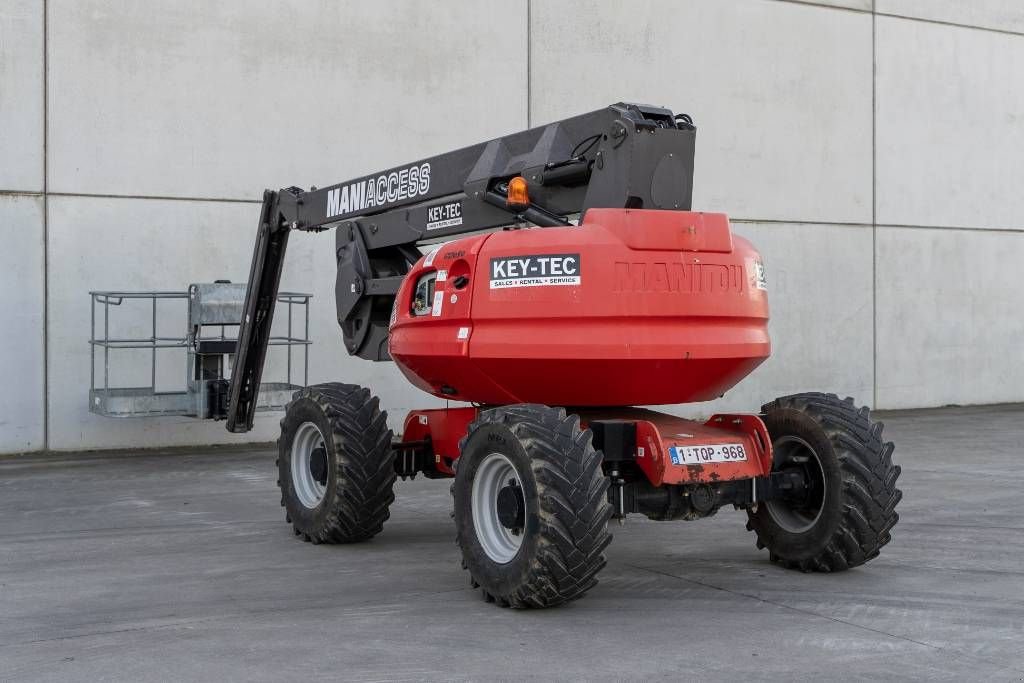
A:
[699,455]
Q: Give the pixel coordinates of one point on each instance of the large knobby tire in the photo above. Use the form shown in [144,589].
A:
[554,556]
[845,519]
[335,464]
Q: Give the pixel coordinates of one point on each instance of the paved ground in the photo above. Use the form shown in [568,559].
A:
[158,566]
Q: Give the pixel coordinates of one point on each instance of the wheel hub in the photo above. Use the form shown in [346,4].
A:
[318,465]
[511,507]
[499,507]
[800,510]
[309,465]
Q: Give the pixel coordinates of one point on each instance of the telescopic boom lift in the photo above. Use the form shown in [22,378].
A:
[565,282]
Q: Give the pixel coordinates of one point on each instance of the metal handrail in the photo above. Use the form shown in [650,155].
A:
[179,342]
[108,298]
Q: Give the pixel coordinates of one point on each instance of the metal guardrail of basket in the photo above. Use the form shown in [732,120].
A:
[214,311]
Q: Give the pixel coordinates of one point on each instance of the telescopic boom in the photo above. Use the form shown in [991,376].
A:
[622,156]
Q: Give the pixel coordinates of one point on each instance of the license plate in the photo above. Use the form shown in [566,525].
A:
[699,455]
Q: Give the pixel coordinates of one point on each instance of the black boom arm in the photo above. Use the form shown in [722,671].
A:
[622,156]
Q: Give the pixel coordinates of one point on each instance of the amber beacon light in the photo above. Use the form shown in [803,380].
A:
[518,198]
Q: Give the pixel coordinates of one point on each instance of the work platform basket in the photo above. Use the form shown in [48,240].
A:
[212,313]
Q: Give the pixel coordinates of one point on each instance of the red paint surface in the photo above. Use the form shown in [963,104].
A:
[656,433]
[443,427]
[667,311]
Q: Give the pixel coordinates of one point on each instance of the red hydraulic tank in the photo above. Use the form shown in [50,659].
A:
[631,307]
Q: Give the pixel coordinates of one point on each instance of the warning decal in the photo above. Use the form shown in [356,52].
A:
[760,280]
[535,271]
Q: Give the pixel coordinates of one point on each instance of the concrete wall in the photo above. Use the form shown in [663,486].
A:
[22,227]
[873,150]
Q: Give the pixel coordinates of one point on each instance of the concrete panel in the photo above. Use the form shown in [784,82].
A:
[143,244]
[862,5]
[950,137]
[819,289]
[1002,15]
[949,331]
[21,95]
[780,92]
[222,100]
[21,313]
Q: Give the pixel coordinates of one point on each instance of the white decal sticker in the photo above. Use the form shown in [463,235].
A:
[463,333]
[454,298]
[395,186]
[442,275]
[429,261]
[535,271]
[423,419]
[639,451]
[760,279]
[438,303]
[444,215]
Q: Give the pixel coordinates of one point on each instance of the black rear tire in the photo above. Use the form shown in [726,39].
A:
[564,514]
[847,517]
[356,471]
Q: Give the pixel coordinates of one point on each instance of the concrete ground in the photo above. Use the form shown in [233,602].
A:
[180,566]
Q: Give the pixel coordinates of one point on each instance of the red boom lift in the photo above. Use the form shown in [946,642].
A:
[565,281]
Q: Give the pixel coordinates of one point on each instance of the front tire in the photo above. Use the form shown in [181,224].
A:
[335,464]
[845,517]
[531,506]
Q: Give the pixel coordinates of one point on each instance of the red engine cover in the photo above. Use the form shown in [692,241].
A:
[632,307]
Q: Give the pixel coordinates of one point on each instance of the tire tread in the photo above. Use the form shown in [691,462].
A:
[868,483]
[573,504]
[364,463]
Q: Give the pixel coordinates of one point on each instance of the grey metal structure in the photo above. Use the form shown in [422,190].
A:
[213,315]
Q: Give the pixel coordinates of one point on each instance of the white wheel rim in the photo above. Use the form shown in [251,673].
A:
[307,439]
[792,520]
[494,473]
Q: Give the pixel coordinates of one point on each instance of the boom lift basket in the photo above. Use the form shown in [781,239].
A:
[213,314]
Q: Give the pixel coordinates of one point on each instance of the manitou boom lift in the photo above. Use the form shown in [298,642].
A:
[611,158]
[553,331]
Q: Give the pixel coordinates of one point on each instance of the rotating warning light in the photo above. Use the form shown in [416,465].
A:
[517,199]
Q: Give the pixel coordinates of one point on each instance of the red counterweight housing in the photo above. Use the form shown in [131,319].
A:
[631,307]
